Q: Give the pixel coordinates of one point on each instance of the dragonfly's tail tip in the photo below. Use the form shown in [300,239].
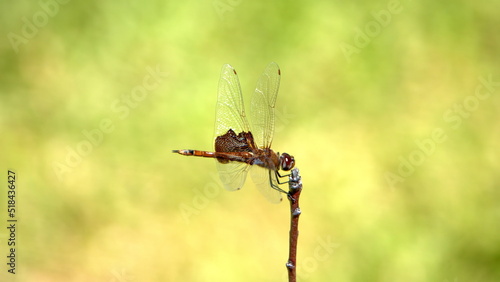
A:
[175,151]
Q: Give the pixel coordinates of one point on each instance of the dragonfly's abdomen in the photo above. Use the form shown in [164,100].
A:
[223,157]
[196,153]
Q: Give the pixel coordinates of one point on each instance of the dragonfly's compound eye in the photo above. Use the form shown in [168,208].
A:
[287,162]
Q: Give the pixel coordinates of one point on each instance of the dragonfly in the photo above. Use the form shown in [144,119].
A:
[241,146]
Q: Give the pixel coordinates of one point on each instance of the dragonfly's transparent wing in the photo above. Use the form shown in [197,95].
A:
[262,107]
[230,111]
[232,174]
[261,178]
[230,114]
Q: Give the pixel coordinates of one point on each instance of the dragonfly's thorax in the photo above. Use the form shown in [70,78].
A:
[266,158]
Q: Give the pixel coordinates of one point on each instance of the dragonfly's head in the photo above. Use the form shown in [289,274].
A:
[287,162]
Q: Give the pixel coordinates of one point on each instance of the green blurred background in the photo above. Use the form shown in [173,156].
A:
[385,105]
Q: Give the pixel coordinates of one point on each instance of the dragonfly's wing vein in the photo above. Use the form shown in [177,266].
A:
[262,177]
[232,174]
[230,110]
[263,105]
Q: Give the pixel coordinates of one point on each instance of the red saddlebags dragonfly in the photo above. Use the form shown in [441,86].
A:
[239,145]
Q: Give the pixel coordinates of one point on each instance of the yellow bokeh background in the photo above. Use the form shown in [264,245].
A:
[389,107]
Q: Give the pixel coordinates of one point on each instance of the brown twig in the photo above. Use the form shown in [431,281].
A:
[295,188]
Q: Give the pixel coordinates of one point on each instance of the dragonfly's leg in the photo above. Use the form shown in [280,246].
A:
[278,176]
[281,176]
[275,187]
